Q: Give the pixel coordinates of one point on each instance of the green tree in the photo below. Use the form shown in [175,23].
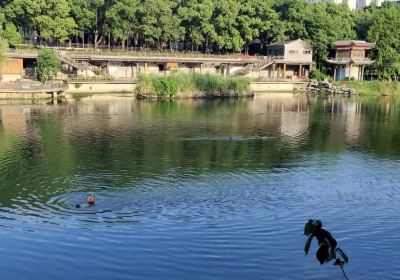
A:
[88,16]
[54,21]
[50,18]
[320,24]
[22,12]
[121,19]
[383,29]
[9,31]
[257,19]
[157,22]
[170,23]
[196,19]
[226,25]
[47,65]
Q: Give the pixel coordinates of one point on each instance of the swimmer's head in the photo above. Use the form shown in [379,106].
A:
[90,199]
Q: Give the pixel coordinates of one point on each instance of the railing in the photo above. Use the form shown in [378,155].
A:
[271,79]
[33,86]
[133,52]
[267,60]
[348,59]
[79,78]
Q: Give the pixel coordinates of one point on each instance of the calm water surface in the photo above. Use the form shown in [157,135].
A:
[198,189]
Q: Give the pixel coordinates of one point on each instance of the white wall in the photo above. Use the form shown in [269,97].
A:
[10,77]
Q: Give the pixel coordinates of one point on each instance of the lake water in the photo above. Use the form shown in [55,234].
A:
[195,189]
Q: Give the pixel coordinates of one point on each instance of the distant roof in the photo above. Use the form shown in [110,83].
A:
[284,42]
[349,44]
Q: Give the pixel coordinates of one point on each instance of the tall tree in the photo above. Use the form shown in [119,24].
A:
[54,21]
[226,25]
[196,17]
[9,31]
[320,24]
[157,22]
[85,15]
[50,18]
[384,31]
[121,19]
[256,19]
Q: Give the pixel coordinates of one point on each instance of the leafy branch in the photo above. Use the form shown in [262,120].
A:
[327,245]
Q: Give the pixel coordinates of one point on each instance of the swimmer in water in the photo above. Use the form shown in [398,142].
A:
[90,202]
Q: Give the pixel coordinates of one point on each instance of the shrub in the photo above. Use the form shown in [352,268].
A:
[145,85]
[97,71]
[47,64]
[240,85]
[318,75]
[165,86]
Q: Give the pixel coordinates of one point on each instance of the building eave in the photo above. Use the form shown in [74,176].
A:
[348,62]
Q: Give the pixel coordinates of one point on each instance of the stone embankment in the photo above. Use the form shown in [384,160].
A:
[326,88]
[198,94]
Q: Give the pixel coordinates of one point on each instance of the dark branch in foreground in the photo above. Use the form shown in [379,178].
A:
[327,250]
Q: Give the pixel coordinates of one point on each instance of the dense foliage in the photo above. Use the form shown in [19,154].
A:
[47,64]
[171,85]
[204,25]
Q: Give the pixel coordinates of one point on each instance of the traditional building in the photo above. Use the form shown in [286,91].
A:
[350,59]
[289,60]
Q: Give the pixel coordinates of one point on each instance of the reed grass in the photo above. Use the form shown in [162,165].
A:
[171,85]
[372,88]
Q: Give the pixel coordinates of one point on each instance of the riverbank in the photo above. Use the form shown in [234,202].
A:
[371,88]
[129,86]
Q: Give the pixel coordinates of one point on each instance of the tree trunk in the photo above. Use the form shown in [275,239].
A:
[95,40]
[83,39]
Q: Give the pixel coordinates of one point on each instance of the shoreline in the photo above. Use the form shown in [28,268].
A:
[124,87]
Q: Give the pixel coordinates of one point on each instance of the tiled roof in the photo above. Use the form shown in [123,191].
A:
[352,43]
[283,42]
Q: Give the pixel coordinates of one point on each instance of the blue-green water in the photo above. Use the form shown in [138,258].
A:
[197,189]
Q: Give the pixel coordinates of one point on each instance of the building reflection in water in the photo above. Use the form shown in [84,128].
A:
[287,115]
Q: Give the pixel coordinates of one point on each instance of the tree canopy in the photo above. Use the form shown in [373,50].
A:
[205,25]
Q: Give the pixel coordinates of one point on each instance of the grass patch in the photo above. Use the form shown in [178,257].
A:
[372,88]
[171,85]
